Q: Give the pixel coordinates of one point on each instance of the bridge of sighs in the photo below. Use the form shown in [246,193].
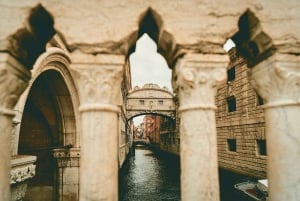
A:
[150,99]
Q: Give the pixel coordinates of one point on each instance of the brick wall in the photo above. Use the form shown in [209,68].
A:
[241,132]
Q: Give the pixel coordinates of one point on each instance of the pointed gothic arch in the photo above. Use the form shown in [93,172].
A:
[29,42]
[252,43]
[151,23]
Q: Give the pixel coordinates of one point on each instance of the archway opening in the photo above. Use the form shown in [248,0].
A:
[152,53]
[48,122]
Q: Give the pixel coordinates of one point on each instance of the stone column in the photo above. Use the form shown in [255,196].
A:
[68,173]
[195,78]
[277,80]
[99,81]
[13,81]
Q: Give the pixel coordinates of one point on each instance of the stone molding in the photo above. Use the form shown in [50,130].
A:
[22,168]
[14,79]
[195,79]
[99,83]
[171,113]
[67,157]
[277,80]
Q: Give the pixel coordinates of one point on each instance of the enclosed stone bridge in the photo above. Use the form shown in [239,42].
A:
[150,99]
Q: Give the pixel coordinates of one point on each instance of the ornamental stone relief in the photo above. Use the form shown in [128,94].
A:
[13,81]
[195,79]
[99,82]
[67,157]
[277,79]
[23,168]
[22,174]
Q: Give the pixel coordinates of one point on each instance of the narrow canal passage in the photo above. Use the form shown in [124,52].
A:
[148,177]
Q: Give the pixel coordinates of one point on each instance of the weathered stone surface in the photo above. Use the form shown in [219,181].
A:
[13,80]
[198,22]
[99,84]
[277,80]
[195,80]
[22,169]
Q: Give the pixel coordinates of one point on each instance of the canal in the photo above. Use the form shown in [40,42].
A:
[149,177]
[146,176]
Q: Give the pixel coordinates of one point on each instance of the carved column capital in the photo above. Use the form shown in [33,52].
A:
[195,78]
[277,80]
[14,79]
[99,81]
[67,157]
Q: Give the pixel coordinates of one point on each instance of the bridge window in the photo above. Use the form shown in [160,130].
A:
[231,145]
[160,102]
[261,147]
[231,103]
[142,102]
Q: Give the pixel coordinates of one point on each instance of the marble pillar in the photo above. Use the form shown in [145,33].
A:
[99,80]
[277,80]
[13,81]
[194,79]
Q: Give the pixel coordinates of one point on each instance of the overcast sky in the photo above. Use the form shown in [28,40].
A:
[148,66]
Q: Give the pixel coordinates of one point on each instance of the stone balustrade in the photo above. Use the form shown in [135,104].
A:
[22,169]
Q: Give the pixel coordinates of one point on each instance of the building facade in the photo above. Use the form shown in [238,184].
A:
[240,122]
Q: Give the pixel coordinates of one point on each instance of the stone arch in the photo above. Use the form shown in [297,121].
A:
[51,102]
[252,43]
[151,23]
[168,115]
[57,60]
[29,42]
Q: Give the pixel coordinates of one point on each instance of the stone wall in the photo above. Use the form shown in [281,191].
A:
[112,27]
[241,128]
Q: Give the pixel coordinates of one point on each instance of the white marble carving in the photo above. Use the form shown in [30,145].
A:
[277,80]
[99,89]
[22,169]
[195,80]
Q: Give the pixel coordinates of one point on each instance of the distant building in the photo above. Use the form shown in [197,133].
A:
[152,128]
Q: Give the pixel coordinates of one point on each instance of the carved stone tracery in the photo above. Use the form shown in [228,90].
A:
[277,80]
[97,83]
[195,80]
[22,169]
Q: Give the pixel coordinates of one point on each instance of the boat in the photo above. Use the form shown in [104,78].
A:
[253,190]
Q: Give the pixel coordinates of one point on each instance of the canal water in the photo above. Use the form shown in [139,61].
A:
[149,177]
[146,176]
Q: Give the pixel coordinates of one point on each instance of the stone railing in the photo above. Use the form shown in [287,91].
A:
[22,169]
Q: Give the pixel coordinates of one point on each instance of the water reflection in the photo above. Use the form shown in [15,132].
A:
[148,177]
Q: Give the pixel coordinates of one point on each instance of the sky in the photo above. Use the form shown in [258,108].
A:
[148,66]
